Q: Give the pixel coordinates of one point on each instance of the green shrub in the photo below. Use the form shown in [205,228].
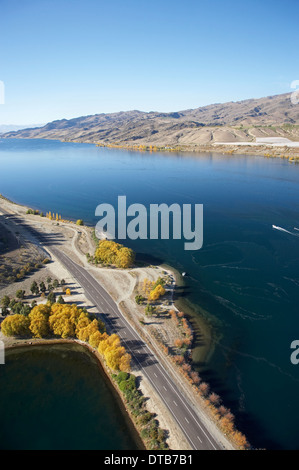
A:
[139,299]
[122,376]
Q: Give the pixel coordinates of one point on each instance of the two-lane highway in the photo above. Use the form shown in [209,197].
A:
[143,358]
[184,414]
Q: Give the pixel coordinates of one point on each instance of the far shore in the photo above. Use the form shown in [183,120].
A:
[287,152]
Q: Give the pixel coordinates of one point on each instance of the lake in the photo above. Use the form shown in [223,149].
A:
[243,282]
[55,398]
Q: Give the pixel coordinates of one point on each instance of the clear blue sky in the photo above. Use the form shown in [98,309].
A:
[68,58]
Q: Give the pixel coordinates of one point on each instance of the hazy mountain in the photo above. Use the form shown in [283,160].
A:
[11,127]
[273,116]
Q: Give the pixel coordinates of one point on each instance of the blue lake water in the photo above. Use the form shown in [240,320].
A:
[244,280]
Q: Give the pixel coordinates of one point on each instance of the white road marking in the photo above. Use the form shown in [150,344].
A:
[159,366]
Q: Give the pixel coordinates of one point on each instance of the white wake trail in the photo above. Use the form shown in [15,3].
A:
[284,230]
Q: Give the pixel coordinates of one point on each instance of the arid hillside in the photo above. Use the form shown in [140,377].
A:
[243,121]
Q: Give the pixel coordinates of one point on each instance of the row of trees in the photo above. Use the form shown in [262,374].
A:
[51,216]
[40,288]
[150,148]
[16,305]
[68,321]
[222,415]
[109,252]
[213,402]
[142,148]
[150,431]
[34,212]
[52,284]
[182,323]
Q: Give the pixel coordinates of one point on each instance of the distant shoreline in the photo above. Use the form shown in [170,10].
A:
[290,153]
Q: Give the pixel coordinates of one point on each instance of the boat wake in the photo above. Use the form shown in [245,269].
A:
[287,231]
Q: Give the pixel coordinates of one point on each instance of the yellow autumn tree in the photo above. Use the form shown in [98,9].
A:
[15,325]
[39,320]
[241,440]
[125,362]
[113,341]
[107,252]
[125,257]
[82,323]
[115,355]
[147,287]
[95,338]
[110,252]
[157,292]
[84,333]
[227,424]
[64,319]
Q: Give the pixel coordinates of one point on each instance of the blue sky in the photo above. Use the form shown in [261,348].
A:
[68,58]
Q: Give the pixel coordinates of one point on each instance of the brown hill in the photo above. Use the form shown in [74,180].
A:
[273,116]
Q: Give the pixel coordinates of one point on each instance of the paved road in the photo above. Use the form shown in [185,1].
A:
[187,419]
[184,414]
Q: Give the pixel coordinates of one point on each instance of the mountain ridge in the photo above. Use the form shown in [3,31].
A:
[234,121]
